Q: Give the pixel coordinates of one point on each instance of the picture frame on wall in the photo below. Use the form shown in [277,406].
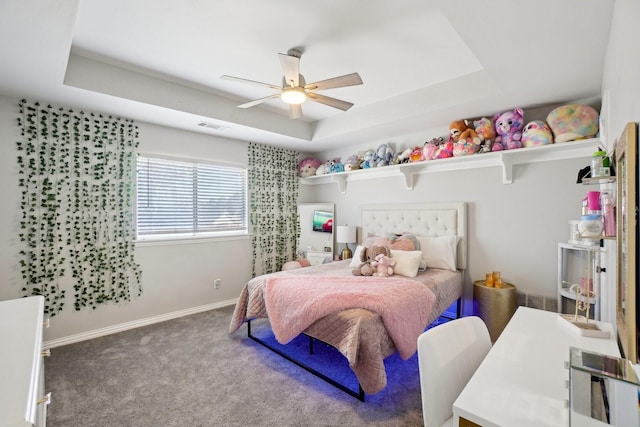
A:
[626,156]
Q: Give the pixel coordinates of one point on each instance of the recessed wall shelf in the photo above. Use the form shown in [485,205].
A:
[504,159]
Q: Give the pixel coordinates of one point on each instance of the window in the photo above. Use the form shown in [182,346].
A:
[187,199]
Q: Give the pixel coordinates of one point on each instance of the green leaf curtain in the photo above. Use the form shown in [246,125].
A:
[273,206]
[77,180]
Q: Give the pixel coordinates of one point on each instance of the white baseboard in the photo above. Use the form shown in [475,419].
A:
[134,324]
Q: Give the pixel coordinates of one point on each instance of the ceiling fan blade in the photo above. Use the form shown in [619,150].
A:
[331,102]
[253,82]
[290,68]
[295,111]
[352,79]
[259,101]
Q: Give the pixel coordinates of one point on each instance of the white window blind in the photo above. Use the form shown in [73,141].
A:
[178,197]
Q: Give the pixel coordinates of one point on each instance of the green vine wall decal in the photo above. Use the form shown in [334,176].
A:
[77,177]
[273,206]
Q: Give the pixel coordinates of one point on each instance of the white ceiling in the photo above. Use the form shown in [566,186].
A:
[423,63]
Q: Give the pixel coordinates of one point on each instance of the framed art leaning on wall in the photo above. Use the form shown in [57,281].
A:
[626,155]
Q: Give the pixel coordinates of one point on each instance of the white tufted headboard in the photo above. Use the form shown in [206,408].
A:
[421,219]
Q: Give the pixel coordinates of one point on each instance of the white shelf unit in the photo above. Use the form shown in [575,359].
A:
[580,265]
[503,159]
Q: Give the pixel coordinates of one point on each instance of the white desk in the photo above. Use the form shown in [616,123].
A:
[523,380]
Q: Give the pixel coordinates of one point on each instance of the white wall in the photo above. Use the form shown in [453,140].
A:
[513,228]
[175,277]
[621,97]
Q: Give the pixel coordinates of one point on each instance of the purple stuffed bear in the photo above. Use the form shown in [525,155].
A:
[508,130]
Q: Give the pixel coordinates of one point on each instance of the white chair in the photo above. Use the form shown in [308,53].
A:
[448,355]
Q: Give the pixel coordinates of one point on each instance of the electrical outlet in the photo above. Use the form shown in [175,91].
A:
[217,283]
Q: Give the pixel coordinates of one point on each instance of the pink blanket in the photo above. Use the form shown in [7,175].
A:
[294,303]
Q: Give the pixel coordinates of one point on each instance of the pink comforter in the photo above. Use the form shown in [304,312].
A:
[403,304]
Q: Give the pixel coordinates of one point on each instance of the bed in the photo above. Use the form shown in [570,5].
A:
[363,335]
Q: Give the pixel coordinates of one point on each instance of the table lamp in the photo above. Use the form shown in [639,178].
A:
[346,234]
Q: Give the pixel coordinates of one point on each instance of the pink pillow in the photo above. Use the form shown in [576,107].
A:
[399,243]
[291,265]
[403,244]
[376,241]
[304,262]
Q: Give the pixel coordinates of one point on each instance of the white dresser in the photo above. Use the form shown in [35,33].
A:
[22,396]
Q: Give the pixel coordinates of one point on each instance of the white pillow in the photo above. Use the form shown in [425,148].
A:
[355,261]
[407,262]
[439,252]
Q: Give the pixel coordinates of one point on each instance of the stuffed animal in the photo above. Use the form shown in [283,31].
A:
[368,254]
[431,147]
[383,265]
[308,167]
[368,160]
[461,131]
[352,163]
[404,157]
[378,155]
[323,169]
[509,130]
[385,158]
[486,132]
[445,150]
[416,155]
[572,122]
[335,166]
[465,139]
[536,132]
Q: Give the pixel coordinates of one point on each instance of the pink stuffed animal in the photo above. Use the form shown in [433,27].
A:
[383,265]
[430,148]
[486,133]
[308,167]
[445,150]
[509,130]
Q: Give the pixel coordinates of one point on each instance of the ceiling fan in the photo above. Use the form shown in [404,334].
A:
[295,90]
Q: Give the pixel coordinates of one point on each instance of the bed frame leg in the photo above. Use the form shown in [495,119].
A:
[358,395]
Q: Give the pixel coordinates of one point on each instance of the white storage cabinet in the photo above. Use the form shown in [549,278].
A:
[581,265]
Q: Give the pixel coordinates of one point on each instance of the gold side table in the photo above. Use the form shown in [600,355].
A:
[495,306]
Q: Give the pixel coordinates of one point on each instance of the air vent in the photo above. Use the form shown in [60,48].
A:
[212,126]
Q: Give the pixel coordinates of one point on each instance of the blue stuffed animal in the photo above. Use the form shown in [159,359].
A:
[368,160]
[335,166]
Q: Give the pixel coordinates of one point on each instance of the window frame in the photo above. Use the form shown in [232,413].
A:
[192,235]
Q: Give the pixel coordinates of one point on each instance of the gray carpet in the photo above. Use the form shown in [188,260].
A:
[190,372]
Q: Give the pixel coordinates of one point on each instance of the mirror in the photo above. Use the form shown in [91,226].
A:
[627,211]
[316,227]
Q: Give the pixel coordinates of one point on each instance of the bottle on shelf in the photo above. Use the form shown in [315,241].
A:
[608,205]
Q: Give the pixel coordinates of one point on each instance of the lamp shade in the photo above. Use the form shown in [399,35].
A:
[346,234]
[293,95]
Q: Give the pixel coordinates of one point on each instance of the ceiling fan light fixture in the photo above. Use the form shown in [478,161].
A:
[293,95]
